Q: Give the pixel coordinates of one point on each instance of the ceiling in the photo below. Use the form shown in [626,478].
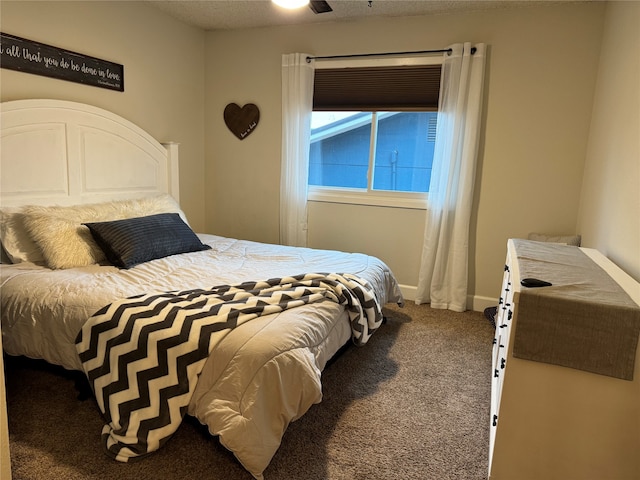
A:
[229,14]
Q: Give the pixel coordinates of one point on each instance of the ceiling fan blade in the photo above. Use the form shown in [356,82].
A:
[320,6]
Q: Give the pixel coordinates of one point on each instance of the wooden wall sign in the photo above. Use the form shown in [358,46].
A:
[27,56]
[241,121]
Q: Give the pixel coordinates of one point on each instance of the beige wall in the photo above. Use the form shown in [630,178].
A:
[541,74]
[609,217]
[542,69]
[163,73]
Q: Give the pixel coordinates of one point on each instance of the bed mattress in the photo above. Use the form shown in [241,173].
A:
[263,375]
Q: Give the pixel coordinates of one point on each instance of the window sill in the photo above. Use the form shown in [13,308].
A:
[417,201]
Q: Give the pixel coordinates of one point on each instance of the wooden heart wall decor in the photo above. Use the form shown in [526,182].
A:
[241,121]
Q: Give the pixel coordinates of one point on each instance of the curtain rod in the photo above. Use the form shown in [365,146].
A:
[328,57]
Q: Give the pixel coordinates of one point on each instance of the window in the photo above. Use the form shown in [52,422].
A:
[373,133]
[397,147]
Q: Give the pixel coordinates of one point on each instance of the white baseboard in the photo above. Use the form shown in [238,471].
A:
[409,292]
[476,303]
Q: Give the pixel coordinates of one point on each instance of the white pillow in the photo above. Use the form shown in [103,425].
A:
[15,239]
[66,243]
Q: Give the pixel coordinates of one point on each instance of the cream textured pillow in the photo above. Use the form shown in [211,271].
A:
[15,239]
[66,243]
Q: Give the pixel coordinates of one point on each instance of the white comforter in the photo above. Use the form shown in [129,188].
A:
[264,374]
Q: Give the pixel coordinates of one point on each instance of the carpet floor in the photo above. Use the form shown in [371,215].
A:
[411,404]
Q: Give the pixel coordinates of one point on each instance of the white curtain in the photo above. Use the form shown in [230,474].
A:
[443,270]
[297,104]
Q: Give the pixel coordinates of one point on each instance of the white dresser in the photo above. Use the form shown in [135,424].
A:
[552,422]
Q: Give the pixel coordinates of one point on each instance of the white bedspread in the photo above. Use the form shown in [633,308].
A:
[264,374]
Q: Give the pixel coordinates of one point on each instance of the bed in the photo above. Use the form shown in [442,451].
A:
[95,278]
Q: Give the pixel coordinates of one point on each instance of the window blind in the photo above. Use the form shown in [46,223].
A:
[398,88]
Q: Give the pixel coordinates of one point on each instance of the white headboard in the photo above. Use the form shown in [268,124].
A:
[55,152]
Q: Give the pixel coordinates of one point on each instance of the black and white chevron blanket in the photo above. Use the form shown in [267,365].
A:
[142,355]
